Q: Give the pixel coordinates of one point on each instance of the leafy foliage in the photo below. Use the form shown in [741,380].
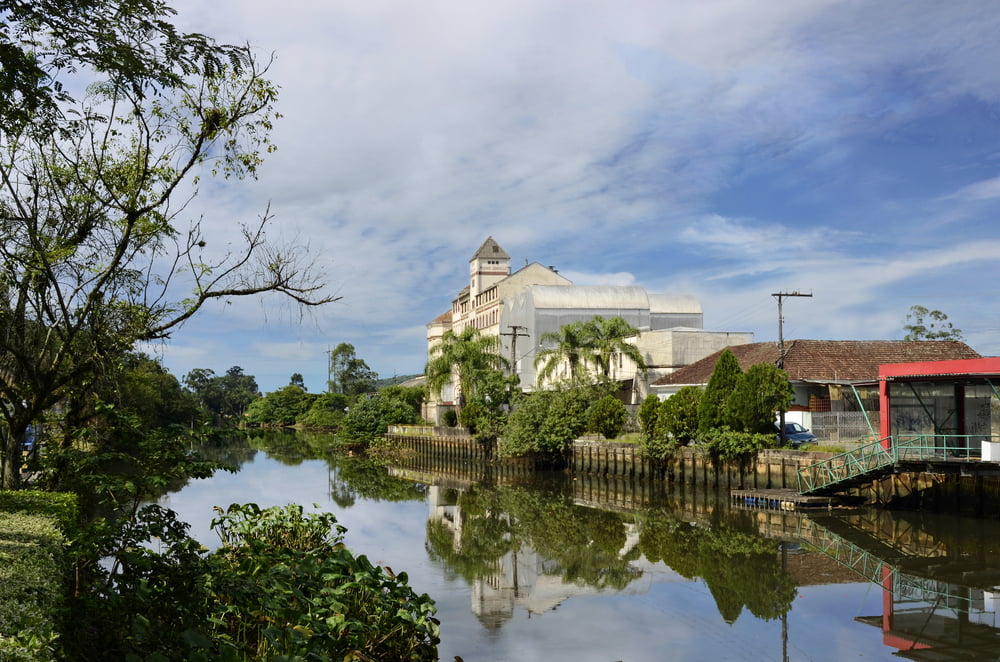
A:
[678,415]
[286,585]
[648,411]
[225,397]
[350,375]
[328,410]
[371,417]
[282,407]
[607,416]
[712,406]
[546,422]
[726,445]
[94,255]
[468,357]
[596,342]
[33,568]
[924,324]
[759,393]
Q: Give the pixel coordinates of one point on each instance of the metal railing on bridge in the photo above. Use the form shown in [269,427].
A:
[878,457]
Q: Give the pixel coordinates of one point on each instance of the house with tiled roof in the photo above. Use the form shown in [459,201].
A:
[835,381]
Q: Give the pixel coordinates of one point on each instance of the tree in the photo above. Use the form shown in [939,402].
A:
[225,397]
[597,341]
[350,375]
[712,405]
[149,391]
[760,393]
[371,417]
[297,380]
[467,356]
[569,344]
[647,414]
[606,342]
[678,415]
[927,324]
[607,416]
[95,253]
[281,407]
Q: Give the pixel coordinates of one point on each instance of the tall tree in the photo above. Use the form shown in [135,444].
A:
[712,404]
[760,393]
[924,324]
[349,374]
[598,341]
[569,345]
[463,357]
[94,253]
[606,341]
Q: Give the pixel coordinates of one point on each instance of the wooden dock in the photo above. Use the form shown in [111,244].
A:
[761,499]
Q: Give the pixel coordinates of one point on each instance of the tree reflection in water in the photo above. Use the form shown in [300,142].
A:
[598,549]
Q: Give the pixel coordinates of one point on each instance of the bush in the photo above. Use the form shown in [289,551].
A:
[726,445]
[319,601]
[647,414]
[678,416]
[371,417]
[607,416]
[32,572]
[450,418]
[547,422]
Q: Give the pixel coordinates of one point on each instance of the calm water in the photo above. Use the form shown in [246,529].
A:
[583,570]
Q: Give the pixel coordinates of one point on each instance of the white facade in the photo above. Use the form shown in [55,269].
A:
[521,307]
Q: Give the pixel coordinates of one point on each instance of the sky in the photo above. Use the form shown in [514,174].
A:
[725,149]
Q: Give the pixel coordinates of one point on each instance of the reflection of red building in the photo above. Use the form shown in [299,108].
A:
[936,620]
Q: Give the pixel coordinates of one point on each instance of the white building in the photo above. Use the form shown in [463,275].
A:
[521,307]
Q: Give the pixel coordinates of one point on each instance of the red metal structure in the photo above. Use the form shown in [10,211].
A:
[940,398]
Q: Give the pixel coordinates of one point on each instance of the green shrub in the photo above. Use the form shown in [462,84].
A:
[285,585]
[647,413]
[32,573]
[607,416]
[370,418]
[450,418]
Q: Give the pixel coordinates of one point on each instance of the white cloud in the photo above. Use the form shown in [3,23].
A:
[614,141]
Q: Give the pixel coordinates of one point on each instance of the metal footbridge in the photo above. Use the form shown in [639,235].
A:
[877,459]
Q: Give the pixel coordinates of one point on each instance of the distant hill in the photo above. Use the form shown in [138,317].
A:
[392,381]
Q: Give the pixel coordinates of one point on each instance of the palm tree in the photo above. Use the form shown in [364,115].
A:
[606,342]
[568,344]
[467,355]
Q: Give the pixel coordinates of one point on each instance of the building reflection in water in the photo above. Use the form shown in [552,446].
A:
[527,549]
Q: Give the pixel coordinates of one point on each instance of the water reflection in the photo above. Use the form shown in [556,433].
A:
[940,578]
[551,567]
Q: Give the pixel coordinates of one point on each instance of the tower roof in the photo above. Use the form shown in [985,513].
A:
[490,250]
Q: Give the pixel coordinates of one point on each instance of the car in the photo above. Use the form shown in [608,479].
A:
[795,434]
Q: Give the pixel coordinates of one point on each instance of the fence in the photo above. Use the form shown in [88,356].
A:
[840,426]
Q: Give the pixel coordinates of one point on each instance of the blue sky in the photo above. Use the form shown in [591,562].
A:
[722,149]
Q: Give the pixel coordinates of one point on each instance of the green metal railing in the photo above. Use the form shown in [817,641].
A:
[940,447]
[844,552]
[862,460]
[887,573]
[873,458]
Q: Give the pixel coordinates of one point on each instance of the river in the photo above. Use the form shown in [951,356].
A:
[552,568]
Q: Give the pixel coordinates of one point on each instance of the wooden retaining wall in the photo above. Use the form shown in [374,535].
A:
[608,467]
[774,468]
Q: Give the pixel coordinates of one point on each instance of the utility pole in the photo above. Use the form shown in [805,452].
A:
[329,368]
[781,354]
[515,332]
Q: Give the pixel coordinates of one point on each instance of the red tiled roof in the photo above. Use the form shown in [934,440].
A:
[851,360]
[443,318]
